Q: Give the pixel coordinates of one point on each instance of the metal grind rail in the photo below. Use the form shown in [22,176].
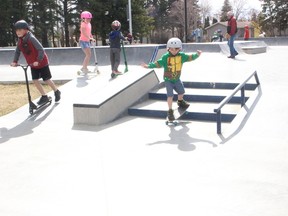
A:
[240,87]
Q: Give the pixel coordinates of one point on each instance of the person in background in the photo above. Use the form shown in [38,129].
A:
[231,34]
[198,33]
[129,38]
[85,38]
[246,32]
[115,37]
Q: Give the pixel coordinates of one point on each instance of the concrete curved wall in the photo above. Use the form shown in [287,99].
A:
[136,54]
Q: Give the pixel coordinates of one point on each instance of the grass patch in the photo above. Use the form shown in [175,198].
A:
[13,96]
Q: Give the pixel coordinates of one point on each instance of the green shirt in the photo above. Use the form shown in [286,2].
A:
[172,64]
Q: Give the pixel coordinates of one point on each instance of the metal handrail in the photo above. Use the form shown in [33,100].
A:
[241,87]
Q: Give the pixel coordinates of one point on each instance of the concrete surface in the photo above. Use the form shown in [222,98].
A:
[140,166]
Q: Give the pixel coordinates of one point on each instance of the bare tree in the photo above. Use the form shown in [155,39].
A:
[239,8]
[177,17]
[205,9]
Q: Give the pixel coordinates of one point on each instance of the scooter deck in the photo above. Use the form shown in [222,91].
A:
[33,107]
[80,73]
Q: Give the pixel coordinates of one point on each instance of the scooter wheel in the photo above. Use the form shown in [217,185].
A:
[31,110]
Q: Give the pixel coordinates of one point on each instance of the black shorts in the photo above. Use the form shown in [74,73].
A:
[43,73]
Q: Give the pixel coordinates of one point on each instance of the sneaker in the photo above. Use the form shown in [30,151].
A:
[233,57]
[170,115]
[183,104]
[85,70]
[117,72]
[44,99]
[57,94]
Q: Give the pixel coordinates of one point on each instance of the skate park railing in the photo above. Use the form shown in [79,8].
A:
[241,88]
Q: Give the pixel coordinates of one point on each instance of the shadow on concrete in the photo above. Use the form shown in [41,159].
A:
[82,80]
[179,135]
[26,127]
[249,111]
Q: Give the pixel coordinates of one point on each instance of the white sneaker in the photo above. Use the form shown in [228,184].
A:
[117,72]
[84,70]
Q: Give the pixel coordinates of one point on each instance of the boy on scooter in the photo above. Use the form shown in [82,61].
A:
[36,58]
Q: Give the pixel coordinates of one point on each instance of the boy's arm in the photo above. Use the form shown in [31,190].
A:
[121,36]
[196,55]
[157,64]
[192,57]
[16,55]
[38,47]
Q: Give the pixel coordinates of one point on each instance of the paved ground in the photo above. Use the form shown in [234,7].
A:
[139,166]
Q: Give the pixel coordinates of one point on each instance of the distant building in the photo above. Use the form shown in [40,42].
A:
[223,27]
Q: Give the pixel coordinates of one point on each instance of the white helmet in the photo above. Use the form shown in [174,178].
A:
[174,43]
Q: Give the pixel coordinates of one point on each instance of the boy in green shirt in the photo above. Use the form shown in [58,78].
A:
[172,62]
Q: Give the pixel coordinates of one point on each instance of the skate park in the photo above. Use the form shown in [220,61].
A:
[132,165]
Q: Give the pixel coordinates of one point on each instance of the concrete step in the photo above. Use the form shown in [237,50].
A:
[203,98]
[197,111]
[205,92]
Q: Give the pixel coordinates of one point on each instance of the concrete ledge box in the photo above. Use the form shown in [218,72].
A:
[113,100]
[254,49]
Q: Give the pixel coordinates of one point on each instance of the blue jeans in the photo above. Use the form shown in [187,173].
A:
[233,52]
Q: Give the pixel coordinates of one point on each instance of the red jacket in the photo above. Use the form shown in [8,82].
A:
[32,50]
[246,33]
[232,26]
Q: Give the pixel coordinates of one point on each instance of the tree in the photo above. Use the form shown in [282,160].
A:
[10,12]
[207,22]
[177,17]
[205,10]
[239,8]
[275,16]
[226,7]
[214,20]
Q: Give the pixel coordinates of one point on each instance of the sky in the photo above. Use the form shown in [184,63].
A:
[217,4]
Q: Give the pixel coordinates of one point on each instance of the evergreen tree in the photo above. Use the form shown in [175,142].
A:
[275,16]
[10,12]
[226,7]
[207,22]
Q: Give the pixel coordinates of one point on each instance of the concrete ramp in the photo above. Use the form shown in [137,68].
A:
[113,99]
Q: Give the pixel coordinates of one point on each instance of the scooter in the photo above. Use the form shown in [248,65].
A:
[95,58]
[96,70]
[32,106]
[125,61]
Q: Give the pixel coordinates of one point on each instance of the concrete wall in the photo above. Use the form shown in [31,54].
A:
[136,54]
